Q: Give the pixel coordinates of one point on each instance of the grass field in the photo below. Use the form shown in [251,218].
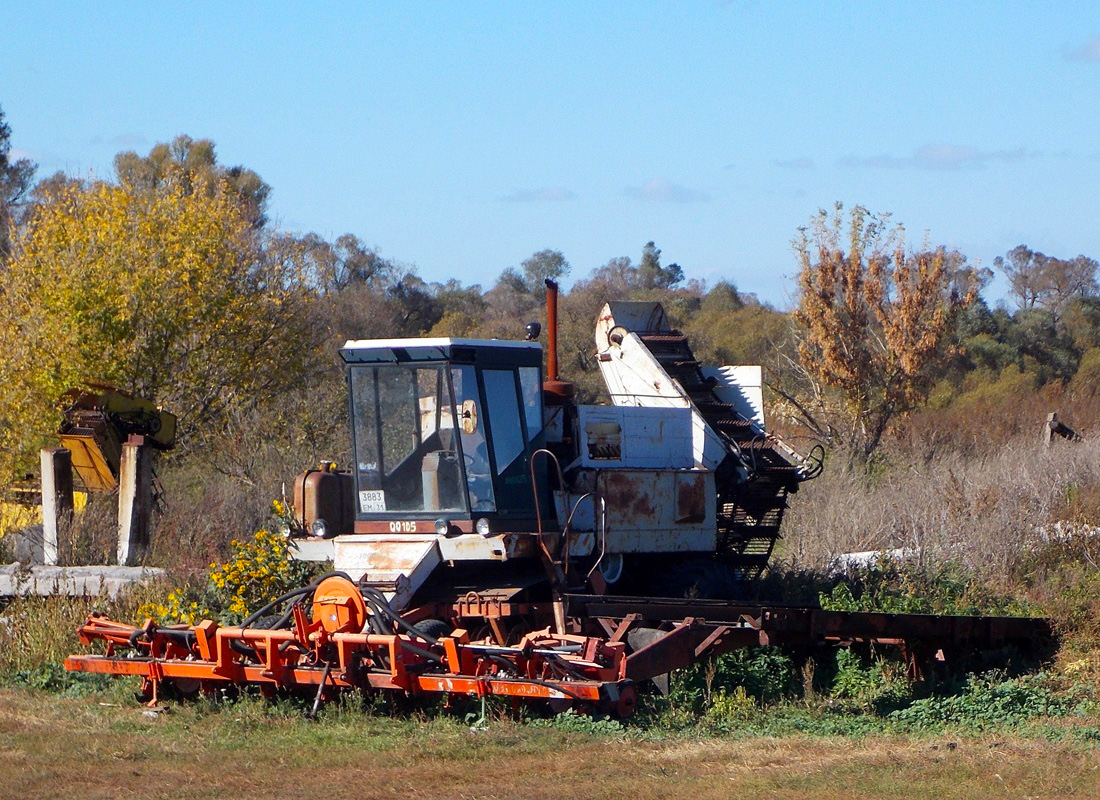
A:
[102,745]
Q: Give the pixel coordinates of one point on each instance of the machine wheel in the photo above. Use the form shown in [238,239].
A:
[434,628]
[612,567]
[626,701]
[183,688]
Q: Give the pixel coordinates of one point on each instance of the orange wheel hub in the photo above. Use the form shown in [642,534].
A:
[339,606]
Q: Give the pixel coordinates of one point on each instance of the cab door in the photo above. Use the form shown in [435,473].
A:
[508,436]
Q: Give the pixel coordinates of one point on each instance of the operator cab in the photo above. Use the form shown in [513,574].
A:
[443,430]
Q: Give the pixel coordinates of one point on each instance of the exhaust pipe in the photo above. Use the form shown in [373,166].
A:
[557,391]
[552,330]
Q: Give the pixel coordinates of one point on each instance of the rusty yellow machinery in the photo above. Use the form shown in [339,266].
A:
[495,537]
[98,420]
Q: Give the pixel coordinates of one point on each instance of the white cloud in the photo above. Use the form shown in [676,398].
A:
[665,191]
[794,163]
[1089,51]
[549,194]
[942,157]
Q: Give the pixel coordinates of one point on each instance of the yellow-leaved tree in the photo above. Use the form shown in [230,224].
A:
[874,323]
[165,292]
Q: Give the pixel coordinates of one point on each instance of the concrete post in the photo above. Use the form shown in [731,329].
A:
[1049,427]
[57,498]
[135,501]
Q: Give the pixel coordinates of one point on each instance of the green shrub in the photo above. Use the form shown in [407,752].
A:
[990,701]
[877,684]
[572,722]
[55,678]
[749,677]
[729,709]
[895,587]
[258,571]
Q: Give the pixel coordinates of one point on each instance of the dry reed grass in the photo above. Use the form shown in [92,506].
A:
[986,511]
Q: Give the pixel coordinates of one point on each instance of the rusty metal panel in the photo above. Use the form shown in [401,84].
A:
[691,497]
[659,511]
[90,462]
[472,547]
[328,495]
[397,564]
[796,625]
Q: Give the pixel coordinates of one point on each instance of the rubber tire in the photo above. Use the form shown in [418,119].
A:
[435,628]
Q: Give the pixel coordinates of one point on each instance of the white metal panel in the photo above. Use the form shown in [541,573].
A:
[312,549]
[743,388]
[405,562]
[373,344]
[635,436]
[635,377]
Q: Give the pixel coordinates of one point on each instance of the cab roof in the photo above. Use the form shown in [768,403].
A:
[498,352]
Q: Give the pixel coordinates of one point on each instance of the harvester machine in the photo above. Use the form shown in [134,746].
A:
[495,537]
[473,475]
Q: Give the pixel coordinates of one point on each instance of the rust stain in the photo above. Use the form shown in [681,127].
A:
[691,498]
[630,495]
[642,506]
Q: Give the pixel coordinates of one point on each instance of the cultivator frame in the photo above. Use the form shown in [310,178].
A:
[613,645]
[334,649]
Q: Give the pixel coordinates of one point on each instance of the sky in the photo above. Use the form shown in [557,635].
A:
[459,138]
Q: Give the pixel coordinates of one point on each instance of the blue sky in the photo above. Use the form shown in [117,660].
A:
[460,138]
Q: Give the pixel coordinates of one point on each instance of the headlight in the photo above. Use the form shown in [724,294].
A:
[482,526]
[319,529]
[442,526]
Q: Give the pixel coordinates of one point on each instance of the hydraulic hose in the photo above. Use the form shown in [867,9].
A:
[378,602]
[255,615]
[292,594]
[187,636]
[301,591]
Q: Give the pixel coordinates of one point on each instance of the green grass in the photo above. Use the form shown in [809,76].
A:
[251,747]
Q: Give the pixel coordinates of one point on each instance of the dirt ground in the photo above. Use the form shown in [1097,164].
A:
[103,746]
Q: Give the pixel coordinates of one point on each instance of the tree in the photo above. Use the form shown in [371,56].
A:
[542,266]
[192,165]
[16,176]
[731,328]
[165,292]
[335,266]
[513,281]
[1046,283]
[418,309]
[619,277]
[624,278]
[652,275]
[724,296]
[874,322]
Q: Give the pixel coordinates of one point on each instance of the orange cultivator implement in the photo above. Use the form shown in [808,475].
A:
[351,639]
